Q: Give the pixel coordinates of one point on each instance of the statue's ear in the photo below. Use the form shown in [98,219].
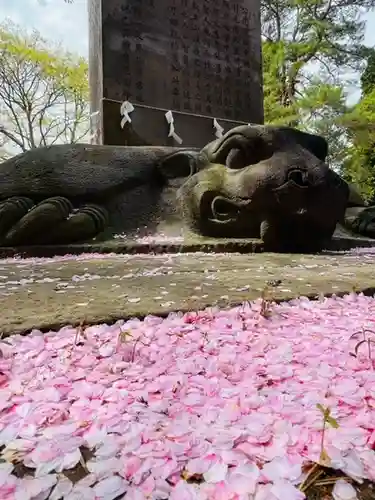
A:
[317,145]
[179,164]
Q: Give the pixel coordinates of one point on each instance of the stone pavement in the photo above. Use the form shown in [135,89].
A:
[48,294]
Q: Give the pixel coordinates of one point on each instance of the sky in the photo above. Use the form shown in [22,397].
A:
[67,23]
[54,19]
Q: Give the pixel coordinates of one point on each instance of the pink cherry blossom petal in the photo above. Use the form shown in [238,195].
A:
[342,490]
[63,487]
[185,491]
[243,479]
[216,473]
[283,489]
[37,487]
[282,468]
[110,488]
[81,493]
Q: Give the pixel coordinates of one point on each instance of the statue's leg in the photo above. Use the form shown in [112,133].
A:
[44,216]
[83,225]
[11,211]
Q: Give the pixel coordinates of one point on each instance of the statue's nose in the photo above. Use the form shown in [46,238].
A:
[301,212]
[293,194]
[299,177]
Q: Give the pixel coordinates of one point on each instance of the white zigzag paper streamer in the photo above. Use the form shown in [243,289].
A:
[172,132]
[125,110]
[218,129]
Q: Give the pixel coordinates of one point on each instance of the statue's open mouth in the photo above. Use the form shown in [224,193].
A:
[226,210]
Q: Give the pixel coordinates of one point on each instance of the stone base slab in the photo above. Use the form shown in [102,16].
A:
[49,293]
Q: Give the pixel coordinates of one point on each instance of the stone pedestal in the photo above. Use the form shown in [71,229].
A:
[200,59]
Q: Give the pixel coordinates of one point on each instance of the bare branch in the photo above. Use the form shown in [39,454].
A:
[43,93]
[12,138]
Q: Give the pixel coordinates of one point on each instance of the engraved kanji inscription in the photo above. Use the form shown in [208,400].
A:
[165,49]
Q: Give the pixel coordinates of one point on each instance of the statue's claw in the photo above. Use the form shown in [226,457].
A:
[11,211]
[83,225]
[35,224]
[50,222]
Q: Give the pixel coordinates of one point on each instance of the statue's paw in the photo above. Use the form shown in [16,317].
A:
[83,225]
[11,211]
[33,227]
[361,220]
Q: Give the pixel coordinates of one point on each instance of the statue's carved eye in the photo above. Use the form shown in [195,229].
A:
[247,152]
[236,159]
[180,164]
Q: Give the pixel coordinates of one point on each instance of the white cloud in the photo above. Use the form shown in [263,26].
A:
[54,19]
[370,29]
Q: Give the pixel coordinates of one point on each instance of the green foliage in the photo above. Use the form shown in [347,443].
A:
[359,164]
[327,420]
[323,107]
[328,32]
[44,92]
[278,109]
[318,106]
[310,47]
[368,75]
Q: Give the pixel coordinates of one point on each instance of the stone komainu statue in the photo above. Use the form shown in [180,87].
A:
[255,181]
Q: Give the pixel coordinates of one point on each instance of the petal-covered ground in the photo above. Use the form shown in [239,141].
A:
[216,404]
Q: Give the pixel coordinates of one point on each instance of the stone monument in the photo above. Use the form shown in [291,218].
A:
[186,71]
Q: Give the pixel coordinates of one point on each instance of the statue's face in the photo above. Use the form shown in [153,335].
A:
[266,182]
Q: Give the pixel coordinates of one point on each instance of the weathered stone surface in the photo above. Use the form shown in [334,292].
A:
[49,295]
[175,55]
